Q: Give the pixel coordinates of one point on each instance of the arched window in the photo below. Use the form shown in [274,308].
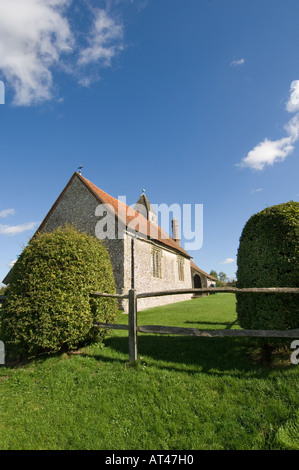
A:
[181,271]
[157,269]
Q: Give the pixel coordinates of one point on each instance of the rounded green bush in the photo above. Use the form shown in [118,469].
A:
[48,307]
[268,256]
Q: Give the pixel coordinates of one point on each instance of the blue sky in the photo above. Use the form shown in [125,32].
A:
[197,101]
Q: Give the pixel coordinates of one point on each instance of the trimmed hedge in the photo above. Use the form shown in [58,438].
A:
[48,307]
[268,256]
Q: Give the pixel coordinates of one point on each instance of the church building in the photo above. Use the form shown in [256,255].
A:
[143,256]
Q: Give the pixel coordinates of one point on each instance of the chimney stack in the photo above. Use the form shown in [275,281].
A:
[175,230]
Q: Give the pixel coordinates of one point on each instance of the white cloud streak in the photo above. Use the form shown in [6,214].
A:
[104,40]
[6,212]
[16,229]
[228,261]
[293,102]
[36,39]
[258,190]
[237,63]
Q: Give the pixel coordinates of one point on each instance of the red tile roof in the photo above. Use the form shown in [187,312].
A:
[196,268]
[130,217]
[127,215]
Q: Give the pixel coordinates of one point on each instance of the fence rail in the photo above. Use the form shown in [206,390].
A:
[133,328]
[233,290]
[211,290]
[113,296]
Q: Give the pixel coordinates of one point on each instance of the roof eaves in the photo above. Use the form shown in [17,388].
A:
[196,268]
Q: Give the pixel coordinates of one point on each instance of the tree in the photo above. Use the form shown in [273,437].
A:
[219,283]
[268,256]
[222,277]
[2,290]
[214,274]
[48,307]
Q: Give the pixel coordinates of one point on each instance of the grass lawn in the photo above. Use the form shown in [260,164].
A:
[185,393]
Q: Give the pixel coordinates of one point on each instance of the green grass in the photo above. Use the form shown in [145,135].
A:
[215,311]
[183,393]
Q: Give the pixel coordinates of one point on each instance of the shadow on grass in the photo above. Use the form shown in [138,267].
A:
[213,356]
[192,354]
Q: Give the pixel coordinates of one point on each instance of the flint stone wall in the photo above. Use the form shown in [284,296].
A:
[77,206]
[144,281]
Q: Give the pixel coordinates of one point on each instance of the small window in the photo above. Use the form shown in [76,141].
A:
[157,271]
[181,263]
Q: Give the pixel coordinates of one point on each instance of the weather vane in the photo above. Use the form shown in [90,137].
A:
[80,168]
[143,190]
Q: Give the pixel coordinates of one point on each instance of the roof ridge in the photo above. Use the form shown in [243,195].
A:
[130,214]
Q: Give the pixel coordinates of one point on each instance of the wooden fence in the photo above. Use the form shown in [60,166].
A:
[133,328]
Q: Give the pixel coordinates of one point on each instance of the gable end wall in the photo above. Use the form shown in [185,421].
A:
[77,207]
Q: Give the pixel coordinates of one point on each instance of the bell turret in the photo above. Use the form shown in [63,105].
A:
[144,207]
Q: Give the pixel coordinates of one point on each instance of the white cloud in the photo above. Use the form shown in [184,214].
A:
[37,37]
[14,230]
[258,190]
[11,264]
[228,261]
[87,81]
[237,63]
[104,40]
[33,36]
[7,212]
[269,152]
[293,102]
[292,128]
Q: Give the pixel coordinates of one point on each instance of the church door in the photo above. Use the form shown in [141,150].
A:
[197,282]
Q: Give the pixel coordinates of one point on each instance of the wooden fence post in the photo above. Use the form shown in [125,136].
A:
[132,325]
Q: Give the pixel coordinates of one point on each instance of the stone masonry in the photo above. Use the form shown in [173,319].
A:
[132,254]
